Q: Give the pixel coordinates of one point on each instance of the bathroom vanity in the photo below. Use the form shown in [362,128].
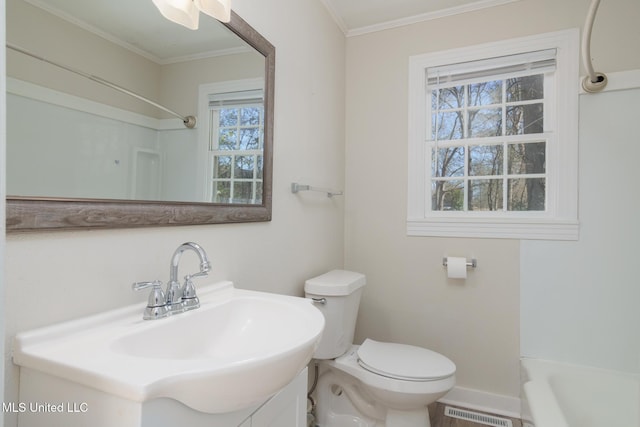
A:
[48,401]
[240,359]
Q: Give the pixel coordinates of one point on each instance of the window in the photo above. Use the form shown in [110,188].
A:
[493,140]
[235,142]
[236,147]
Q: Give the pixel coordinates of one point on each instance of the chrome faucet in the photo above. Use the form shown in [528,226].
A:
[182,299]
[175,299]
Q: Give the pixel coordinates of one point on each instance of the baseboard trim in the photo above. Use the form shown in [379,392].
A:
[483,401]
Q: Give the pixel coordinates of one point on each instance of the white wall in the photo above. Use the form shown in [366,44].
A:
[408,297]
[580,299]
[55,276]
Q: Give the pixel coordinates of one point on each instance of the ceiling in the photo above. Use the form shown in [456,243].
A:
[142,29]
[364,16]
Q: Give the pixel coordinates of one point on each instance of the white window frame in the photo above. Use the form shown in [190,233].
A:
[559,221]
[206,92]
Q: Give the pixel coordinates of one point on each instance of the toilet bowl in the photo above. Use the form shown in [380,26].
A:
[375,384]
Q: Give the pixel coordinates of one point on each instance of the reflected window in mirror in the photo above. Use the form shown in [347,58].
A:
[235,141]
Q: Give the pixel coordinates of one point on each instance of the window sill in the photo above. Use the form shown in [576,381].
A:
[495,229]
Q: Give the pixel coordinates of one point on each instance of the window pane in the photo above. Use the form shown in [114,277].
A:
[228,139]
[485,160]
[242,192]
[447,98]
[524,119]
[485,194]
[237,175]
[221,192]
[485,93]
[447,195]
[260,165]
[448,125]
[525,88]
[222,167]
[485,122]
[527,158]
[228,117]
[449,161]
[526,194]
[249,139]
[244,167]
[250,116]
[258,199]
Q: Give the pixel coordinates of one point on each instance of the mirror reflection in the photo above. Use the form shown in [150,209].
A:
[71,136]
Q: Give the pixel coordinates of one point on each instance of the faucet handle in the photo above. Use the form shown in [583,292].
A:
[136,286]
[155,292]
[190,300]
[156,304]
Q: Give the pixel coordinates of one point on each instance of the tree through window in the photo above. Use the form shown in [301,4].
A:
[488,146]
[493,139]
[236,148]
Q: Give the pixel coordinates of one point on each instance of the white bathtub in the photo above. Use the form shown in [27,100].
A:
[563,395]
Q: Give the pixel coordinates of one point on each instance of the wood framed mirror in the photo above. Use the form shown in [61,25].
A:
[35,212]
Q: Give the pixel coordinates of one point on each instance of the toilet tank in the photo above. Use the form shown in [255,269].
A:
[337,295]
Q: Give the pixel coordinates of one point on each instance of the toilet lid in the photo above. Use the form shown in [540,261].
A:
[404,362]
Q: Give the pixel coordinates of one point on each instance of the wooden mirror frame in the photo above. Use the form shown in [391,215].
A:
[39,213]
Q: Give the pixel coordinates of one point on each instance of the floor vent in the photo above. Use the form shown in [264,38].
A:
[477,417]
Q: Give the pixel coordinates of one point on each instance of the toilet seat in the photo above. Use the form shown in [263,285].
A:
[404,362]
[390,390]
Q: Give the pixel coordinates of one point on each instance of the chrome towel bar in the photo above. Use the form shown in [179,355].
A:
[295,188]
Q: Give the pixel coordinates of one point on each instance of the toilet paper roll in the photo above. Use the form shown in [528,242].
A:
[456,268]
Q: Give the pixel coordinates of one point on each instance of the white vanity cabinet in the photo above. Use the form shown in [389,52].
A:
[49,401]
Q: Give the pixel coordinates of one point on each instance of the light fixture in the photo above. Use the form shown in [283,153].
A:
[187,12]
[219,9]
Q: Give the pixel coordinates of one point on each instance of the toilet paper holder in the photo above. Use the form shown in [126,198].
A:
[473,263]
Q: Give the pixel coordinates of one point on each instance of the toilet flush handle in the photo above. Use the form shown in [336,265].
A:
[319,300]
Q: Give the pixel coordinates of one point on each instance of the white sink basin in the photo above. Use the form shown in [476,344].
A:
[238,349]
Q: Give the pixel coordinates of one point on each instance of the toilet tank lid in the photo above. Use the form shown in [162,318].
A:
[335,283]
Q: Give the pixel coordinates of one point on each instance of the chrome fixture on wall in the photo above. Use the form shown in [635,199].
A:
[472,263]
[295,188]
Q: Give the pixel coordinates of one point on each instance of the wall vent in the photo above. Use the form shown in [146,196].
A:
[477,417]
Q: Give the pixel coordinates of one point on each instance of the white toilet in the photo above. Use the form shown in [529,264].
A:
[375,384]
